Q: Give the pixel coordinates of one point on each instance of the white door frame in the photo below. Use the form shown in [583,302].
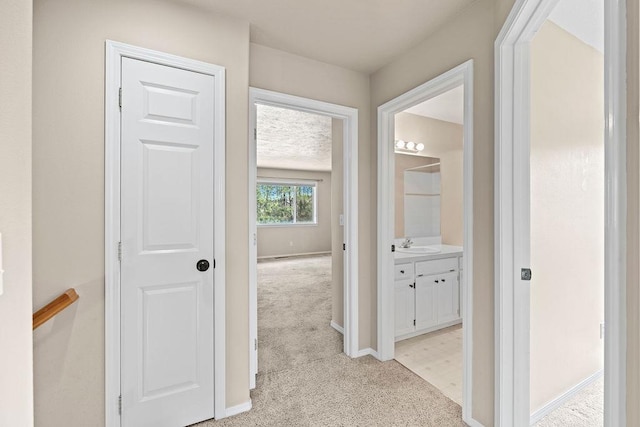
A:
[114,53]
[350,195]
[462,74]
[512,65]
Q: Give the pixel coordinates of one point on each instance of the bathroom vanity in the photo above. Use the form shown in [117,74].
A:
[427,289]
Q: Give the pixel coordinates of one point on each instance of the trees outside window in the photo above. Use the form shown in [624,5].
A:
[284,203]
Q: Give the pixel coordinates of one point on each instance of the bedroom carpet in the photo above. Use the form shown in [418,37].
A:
[304,378]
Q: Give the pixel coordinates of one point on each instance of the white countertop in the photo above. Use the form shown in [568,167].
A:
[446,251]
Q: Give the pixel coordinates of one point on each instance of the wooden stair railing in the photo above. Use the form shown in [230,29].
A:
[54,307]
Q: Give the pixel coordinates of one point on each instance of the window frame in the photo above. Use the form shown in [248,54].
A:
[291,183]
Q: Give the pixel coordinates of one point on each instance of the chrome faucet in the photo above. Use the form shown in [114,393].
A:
[407,243]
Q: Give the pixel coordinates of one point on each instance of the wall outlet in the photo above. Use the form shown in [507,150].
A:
[602,330]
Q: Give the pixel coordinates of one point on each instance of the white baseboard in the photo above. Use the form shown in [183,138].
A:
[562,399]
[337,327]
[473,423]
[367,352]
[302,254]
[238,409]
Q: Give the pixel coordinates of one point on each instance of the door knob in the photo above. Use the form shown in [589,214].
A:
[202,265]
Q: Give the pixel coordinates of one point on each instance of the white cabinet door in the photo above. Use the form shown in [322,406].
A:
[447,297]
[167,227]
[426,302]
[404,307]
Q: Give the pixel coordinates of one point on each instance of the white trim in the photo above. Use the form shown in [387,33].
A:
[428,330]
[472,422]
[113,54]
[337,327]
[462,74]
[238,409]
[350,194]
[554,404]
[367,352]
[296,255]
[512,303]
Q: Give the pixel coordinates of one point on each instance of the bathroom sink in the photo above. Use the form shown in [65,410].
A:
[419,250]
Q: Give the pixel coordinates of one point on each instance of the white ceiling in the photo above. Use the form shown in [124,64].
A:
[448,106]
[582,18]
[289,139]
[362,35]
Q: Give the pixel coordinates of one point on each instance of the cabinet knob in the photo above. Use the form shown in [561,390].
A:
[443,280]
[437,281]
[401,271]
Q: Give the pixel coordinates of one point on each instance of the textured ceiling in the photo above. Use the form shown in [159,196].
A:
[361,35]
[448,106]
[289,139]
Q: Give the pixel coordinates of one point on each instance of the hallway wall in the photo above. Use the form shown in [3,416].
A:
[16,354]
[68,194]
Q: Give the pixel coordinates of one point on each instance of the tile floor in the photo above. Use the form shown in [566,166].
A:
[437,358]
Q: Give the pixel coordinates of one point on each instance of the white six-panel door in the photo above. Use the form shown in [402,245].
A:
[167,205]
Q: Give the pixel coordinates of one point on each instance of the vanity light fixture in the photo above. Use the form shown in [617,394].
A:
[408,146]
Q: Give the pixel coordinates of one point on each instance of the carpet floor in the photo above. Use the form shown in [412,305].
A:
[304,379]
[583,410]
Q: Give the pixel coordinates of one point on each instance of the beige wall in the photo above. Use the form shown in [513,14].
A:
[337,231]
[452,197]
[470,35]
[567,213]
[299,239]
[16,369]
[287,73]
[68,207]
[437,136]
[402,163]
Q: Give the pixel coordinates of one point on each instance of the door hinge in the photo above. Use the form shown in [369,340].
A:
[120,251]
[414,322]
[120,98]
[344,246]
[255,133]
[255,344]
[393,248]
[120,405]
[525,274]
[214,263]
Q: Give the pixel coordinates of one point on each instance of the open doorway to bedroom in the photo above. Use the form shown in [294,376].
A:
[303,225]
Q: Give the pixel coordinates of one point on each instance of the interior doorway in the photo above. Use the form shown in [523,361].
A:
[425,232]
[342,214]
[597,158]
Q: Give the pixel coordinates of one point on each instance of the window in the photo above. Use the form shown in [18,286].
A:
[281,203]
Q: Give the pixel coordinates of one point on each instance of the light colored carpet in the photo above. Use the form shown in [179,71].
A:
[294,313]
[305,380]
[584,410]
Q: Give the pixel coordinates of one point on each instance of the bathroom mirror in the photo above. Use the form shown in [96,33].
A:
[417,194]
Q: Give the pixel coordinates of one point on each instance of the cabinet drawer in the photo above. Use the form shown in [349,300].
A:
[404,271]
[436,266]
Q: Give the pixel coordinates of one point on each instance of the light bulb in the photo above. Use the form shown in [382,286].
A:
[400,144]
[420,146]
[410,145]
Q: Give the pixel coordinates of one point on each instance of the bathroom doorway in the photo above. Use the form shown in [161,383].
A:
[425,154]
